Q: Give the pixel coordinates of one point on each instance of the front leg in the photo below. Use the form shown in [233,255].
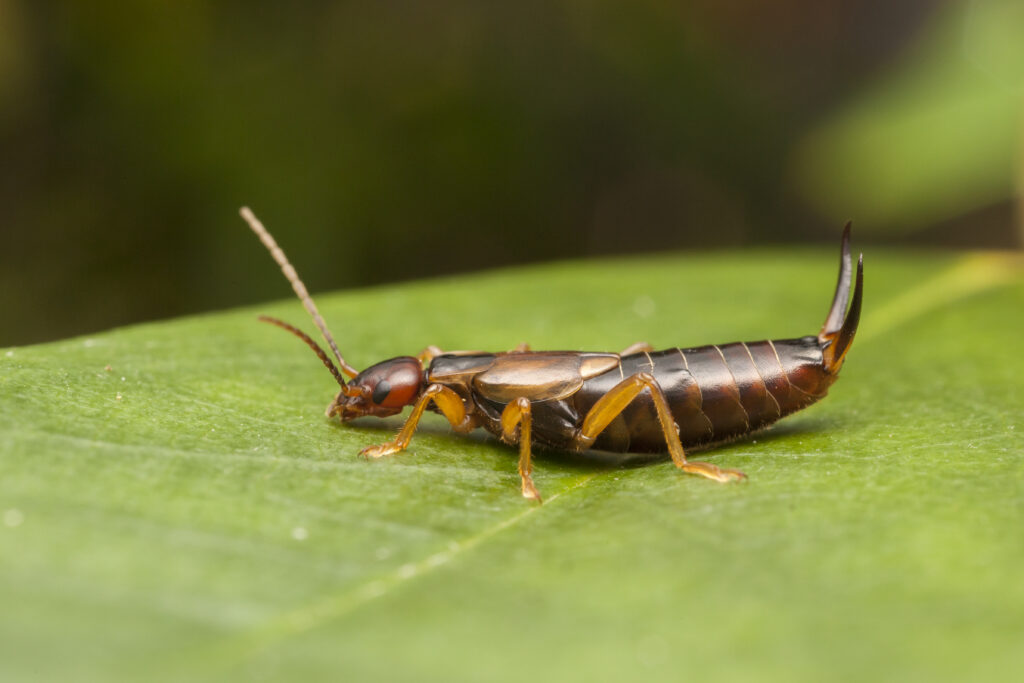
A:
[447,401]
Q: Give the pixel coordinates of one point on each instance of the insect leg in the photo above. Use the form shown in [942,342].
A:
[446,400]
[638,347]
[518,413]
[428,354]
[615,401]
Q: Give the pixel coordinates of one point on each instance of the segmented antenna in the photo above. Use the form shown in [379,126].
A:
[300,291]
[321,354]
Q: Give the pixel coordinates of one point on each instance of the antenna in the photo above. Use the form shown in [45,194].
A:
[309,342]
[300,289]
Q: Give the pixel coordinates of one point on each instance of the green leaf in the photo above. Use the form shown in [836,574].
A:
[176,506]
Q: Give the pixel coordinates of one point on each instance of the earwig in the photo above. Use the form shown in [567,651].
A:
[636,401]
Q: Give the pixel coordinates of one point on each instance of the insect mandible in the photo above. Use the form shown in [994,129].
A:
[636,401]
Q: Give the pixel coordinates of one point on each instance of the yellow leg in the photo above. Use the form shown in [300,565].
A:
[615,401]
[451,407]
[428,354]
[639,347]
[517,413]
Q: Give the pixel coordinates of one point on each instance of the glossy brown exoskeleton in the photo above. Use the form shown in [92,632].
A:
[637,401]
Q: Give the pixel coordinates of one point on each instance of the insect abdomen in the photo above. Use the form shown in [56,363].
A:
[715,393]
[749,385]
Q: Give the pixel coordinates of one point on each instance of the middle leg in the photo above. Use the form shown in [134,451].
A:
[518,413]
[638,347]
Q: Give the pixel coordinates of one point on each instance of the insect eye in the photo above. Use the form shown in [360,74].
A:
[381,391]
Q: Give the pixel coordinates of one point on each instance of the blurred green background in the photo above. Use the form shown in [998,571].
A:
[393,140]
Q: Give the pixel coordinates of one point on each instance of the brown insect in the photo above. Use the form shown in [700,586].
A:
[638,401]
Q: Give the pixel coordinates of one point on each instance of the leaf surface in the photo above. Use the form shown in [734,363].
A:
[189,513]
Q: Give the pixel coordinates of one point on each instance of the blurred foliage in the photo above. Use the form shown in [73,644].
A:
[939,136]
[394,140]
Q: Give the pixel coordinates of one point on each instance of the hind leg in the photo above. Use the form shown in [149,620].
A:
[621,395]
